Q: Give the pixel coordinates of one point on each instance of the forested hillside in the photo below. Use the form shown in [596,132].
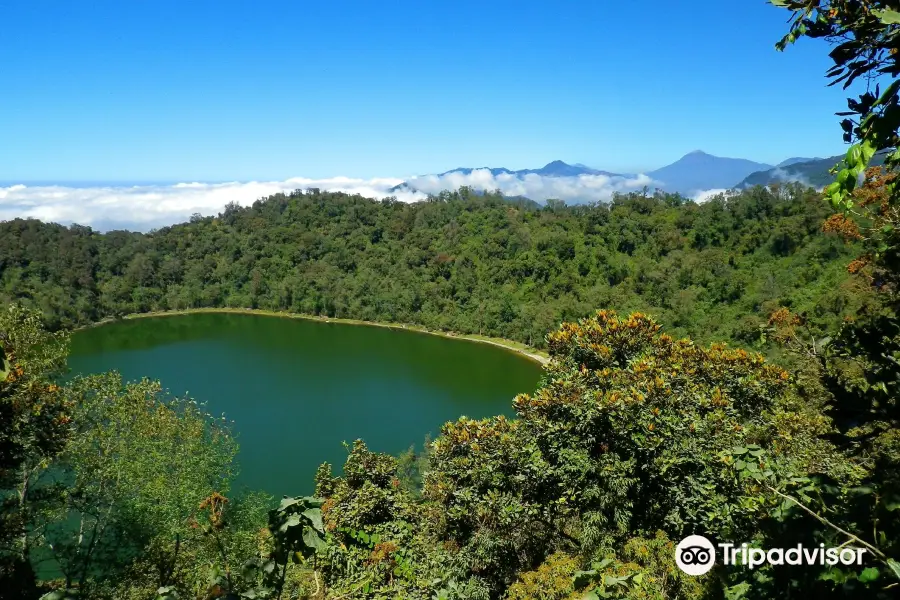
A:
[464,262]
[814,172]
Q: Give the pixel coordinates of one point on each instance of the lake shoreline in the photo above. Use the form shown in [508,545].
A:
[520,349]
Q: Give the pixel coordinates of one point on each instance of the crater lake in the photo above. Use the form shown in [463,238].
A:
[297,389]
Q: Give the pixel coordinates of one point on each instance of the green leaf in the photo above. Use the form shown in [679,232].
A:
[315,517]
[313,502]
[843,178]
[887,16]
[166,593]
[854,155]
[287,502]
[893,157]
[783,42]
[894,566]
[869,574]
[582,578]
[836,575]
[867,151]
[736,592]
[311,539]
[291,521]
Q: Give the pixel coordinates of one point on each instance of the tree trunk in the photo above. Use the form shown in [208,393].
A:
[23,496]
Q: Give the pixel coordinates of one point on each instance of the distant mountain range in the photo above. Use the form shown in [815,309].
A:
[698,171]
[691,174]
[557,168]
[793,161]
[814,172]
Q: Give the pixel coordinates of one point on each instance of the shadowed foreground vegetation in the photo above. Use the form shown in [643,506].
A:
[633,440]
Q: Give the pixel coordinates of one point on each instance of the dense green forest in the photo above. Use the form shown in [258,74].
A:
[635,437]
[462,261]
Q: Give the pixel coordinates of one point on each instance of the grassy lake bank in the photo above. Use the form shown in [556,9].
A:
[519,348]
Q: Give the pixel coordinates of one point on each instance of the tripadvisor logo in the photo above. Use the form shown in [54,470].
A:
[696,555]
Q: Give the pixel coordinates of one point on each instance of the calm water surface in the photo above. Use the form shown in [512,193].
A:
[297,389]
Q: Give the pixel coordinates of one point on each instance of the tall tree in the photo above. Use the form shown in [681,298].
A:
[860,366]
[35,423]
[140,464]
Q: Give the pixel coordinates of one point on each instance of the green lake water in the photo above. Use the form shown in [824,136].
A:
[296,389]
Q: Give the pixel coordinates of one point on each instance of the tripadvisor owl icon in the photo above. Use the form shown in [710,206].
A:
[695,555]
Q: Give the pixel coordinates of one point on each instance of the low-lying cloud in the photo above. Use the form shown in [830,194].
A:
[706,195]
[145,207]
[790,176]
[583,188]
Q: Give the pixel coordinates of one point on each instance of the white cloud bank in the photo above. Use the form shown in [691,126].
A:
[701,197]
[583,188]
[145,207]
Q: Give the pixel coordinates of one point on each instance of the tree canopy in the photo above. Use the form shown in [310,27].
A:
[462,262]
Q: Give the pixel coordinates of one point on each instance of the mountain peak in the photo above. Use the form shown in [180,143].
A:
[556,164]
[559,168]
[697,171]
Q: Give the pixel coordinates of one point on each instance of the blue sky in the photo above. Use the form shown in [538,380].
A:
[240,90]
